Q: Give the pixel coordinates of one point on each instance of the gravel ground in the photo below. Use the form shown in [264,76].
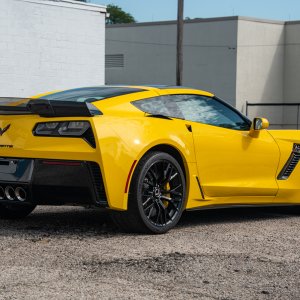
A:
[74,253]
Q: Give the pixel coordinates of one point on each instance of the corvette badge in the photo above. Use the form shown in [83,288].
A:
[4,129]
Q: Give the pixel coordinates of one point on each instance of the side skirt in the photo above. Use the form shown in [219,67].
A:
[216,206]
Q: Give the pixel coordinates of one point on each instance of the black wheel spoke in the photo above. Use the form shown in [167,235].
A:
[147,182]
[176,193]
[166,198]
[174,206]
[167,175]
[151,210]
[169,199]
[154,176]
[149,206]
[163,211]
[151,178]
[158,213]
[166,171]
[173,190]
[173,176]
[147,201]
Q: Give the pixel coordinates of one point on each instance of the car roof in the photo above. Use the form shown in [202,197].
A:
[98,93]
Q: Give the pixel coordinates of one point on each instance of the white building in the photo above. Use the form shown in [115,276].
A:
[239,59]
[50,44]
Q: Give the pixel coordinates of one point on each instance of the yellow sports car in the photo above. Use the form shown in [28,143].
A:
[144,153]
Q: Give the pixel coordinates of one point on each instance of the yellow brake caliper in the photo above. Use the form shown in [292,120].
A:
[167,188]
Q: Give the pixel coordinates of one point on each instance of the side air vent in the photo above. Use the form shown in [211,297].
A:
[290,164]
[98,184]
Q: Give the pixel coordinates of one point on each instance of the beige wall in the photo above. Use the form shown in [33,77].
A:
[150,55]
[260,68]
[210,57]
[260,62]
[292,62]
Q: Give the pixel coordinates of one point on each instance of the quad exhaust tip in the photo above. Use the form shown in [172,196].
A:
[12,194]
[2,193]
[20,193]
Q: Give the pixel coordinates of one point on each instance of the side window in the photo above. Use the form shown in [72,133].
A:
[153,106]
[208,110]
[195,108]
[162,105]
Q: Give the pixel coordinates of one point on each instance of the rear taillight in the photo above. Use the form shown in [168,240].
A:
[81,129]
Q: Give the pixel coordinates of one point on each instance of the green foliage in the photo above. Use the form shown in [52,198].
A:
[118,16]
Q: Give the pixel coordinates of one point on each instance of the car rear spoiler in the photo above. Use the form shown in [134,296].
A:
[52,108]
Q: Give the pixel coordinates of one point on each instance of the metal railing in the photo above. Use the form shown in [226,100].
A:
[284,116]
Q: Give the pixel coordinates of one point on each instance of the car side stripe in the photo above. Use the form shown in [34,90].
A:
[129,175]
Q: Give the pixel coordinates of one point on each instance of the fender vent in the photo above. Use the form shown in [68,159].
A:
[290,164]
[90,138]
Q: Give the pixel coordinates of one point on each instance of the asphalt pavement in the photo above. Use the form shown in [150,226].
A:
[75,253]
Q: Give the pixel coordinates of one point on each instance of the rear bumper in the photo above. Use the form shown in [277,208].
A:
[51,182]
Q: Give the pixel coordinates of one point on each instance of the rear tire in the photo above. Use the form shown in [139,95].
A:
[156,197]
[15,212]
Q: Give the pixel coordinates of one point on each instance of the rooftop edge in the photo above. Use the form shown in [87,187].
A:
[205,20]
[70,4]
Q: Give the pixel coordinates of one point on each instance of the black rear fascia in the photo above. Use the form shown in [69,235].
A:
[59,182]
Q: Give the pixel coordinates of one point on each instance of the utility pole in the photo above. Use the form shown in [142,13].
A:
[179,55]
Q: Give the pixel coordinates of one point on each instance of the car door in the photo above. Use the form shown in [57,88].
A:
[231,160]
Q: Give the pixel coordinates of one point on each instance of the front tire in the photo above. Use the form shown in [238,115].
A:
[156,197]
[11,211]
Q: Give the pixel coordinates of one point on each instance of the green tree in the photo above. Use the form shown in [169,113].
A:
[118,16]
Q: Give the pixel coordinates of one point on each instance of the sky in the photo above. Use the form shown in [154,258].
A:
[161,10]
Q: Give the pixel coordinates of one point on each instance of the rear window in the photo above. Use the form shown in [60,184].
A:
[13,105]
[91,94]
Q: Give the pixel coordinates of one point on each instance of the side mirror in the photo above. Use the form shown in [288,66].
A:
[259,124]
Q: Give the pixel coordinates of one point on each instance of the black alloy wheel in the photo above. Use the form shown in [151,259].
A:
[156,196]
[162,192]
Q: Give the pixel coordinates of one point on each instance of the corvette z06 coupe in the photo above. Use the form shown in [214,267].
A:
[143,153]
